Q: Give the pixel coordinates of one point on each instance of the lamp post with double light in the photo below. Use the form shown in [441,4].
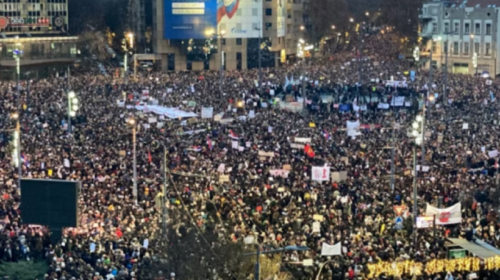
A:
[417,127]
[72,107]
[16,153]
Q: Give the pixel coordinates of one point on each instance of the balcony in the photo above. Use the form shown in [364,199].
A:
[425,17]
[425,34]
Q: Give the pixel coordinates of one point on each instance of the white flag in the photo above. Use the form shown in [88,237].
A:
[331,250]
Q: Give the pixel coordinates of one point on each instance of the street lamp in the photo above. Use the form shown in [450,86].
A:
[219,36]
[302,27]
[260,58]
[417,133]
[351,19]
[16,152]
[333,27]
[474,56]
[132,123]
[72,107]
[367,14]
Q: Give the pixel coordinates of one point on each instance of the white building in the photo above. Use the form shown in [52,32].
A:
[469,28]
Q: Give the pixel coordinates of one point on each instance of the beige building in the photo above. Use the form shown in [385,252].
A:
[37,28]
[468,29]
[239,53]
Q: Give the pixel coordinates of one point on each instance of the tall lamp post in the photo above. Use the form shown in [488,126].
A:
[16,153]
[260,57]
[417,134]
[72,107]
[132,123]
[474,53]
[220,37]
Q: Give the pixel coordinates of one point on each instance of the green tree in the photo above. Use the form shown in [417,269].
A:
[23,270]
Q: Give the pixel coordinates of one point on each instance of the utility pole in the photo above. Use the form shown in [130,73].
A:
[426,97]
[360,49]
[164,199]
[445,71]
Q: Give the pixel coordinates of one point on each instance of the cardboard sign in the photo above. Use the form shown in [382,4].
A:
[287,167]
[266,154]
[223,178]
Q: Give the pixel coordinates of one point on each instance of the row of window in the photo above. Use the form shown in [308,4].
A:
[466,28]
[465,48]
[33,1]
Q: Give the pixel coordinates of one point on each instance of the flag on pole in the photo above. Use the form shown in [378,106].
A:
[233,135]
[209,142]
[25,160]
[309,151]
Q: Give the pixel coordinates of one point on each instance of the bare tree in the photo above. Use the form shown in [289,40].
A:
[93,43]
[325,14]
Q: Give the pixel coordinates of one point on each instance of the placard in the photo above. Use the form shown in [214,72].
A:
[223,178]
[266,154]
[207,112]
[320,173]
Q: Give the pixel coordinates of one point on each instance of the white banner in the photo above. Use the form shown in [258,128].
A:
[446,216]
[207,112]
[331,250]
[352,128]
[297,146]
[320,173]
[398,101]
[302,140]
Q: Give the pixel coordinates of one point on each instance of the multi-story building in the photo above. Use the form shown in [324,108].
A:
[37,29]
[463,32]
[278,23]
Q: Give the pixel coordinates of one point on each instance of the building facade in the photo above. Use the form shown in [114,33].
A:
[38,29]
[463,32]
[277,22]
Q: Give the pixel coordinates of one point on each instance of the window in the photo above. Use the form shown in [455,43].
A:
[238,60]
[487,49]
[446,27]
[269,12]
[189,65]
[445,46]
[456,48]
[238,41]
[488,29]
[255,12]
[476,48]
[466,48]
[434,46]
[434,27]
[477,30]
[223,41]
[467,28]
[456,27]
[238,12]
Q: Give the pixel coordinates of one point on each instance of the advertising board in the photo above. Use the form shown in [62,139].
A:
[201,19]
[189,19]
[281,14]
[239,18]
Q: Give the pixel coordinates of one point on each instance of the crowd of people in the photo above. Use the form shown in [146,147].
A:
[221,171]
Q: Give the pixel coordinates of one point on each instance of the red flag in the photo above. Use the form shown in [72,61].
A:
[150,159]
[309,151]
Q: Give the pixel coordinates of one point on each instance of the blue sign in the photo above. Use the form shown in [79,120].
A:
[412,76]
[399,222]
[344,107]
[190,19]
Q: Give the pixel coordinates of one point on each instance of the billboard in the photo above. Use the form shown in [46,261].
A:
[190,19]
[281,22]
[239,18]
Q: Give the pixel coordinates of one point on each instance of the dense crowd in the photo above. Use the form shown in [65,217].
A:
[118,232]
